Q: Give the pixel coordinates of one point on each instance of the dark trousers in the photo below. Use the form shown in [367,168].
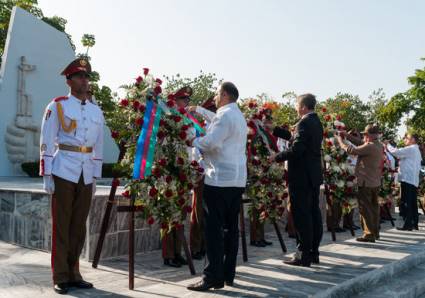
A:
[409,195]
[307,218]
[221,210]
[70,208]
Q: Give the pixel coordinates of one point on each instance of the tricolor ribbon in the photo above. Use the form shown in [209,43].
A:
[146,143]
[145,149]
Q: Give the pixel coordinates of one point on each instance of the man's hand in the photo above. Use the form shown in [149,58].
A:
[48,184]
[339,139]
[191,109]
[94,186]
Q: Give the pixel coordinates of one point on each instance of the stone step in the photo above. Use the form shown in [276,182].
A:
[410,283]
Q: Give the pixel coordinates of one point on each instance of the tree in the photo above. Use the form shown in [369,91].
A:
[409,104]
[203,85]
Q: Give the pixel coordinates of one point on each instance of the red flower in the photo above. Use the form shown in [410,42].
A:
[328,118]
[153,191]
[156,172]
[190,185]
[177,119]
[188,209]
[182,111]
[329,143]
[151,220]
[162,162]
[139,121]
[332,187]
[181,192]
[349,190]
[168,193]
[136,104]
[139,79]
[124,102]
[142,108]
[185,127]
[200,170]
[285,195]
[171,103]
[252,105]
[168,179]
[180,161]
[254,151]
[158,81]
[182,177]
[256,162]
[161,134]
[194,163]
[164,225]
[157,90]
[126,194]
[338,117]
[324,110]
[270,194]
[183,135]
[181,201]
[115,182]
[115,134]
[145,71]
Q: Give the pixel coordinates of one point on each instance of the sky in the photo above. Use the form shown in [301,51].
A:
[270,46]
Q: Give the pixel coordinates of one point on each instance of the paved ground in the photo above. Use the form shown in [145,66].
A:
[26,273]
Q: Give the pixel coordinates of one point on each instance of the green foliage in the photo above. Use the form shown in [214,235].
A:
[204,86]
[409,104]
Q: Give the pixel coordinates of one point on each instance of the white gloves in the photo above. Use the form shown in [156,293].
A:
[94,187]
[48,184]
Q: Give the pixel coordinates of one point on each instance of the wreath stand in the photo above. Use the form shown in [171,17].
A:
[132,210]
[243,234]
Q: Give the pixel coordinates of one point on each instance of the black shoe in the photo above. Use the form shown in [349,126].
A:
[403,229]
[298,262]
[229,283]
[202,286]
[258,244]
[265,242]
[172,263]
[416,227]
[363,239]
[61,288]
[314,259]
[198,255]
[81,284]
[180,259]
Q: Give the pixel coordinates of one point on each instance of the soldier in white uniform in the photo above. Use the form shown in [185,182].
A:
[71,159]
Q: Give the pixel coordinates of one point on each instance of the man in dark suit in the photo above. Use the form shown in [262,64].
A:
[305,175]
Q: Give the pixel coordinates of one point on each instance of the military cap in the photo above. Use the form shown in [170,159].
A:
[183,93]
[78,65]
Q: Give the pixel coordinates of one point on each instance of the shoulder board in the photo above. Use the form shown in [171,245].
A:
[57,99]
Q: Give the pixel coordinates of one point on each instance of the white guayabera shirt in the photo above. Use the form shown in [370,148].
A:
[224,148]
[410,163]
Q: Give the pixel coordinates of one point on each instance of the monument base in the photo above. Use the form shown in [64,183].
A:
[25,220]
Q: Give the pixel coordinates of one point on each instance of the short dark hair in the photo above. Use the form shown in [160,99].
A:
[231,90]
[415,136]
[308,100]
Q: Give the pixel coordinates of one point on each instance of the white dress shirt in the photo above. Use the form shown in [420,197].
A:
[409,163]
[224,148]
[89,132]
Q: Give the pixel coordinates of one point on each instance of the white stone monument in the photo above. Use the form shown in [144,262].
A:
[35,53]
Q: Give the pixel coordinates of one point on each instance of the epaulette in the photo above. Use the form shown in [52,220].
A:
[57,99]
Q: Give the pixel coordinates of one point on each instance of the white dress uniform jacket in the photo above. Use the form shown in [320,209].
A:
[88,132]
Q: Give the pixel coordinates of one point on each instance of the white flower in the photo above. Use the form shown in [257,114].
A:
[341,152]
[336,169]
[343,166]
[327,158]
[350,184]
[340,183]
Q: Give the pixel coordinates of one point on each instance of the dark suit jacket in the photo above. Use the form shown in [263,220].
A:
[304,155]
